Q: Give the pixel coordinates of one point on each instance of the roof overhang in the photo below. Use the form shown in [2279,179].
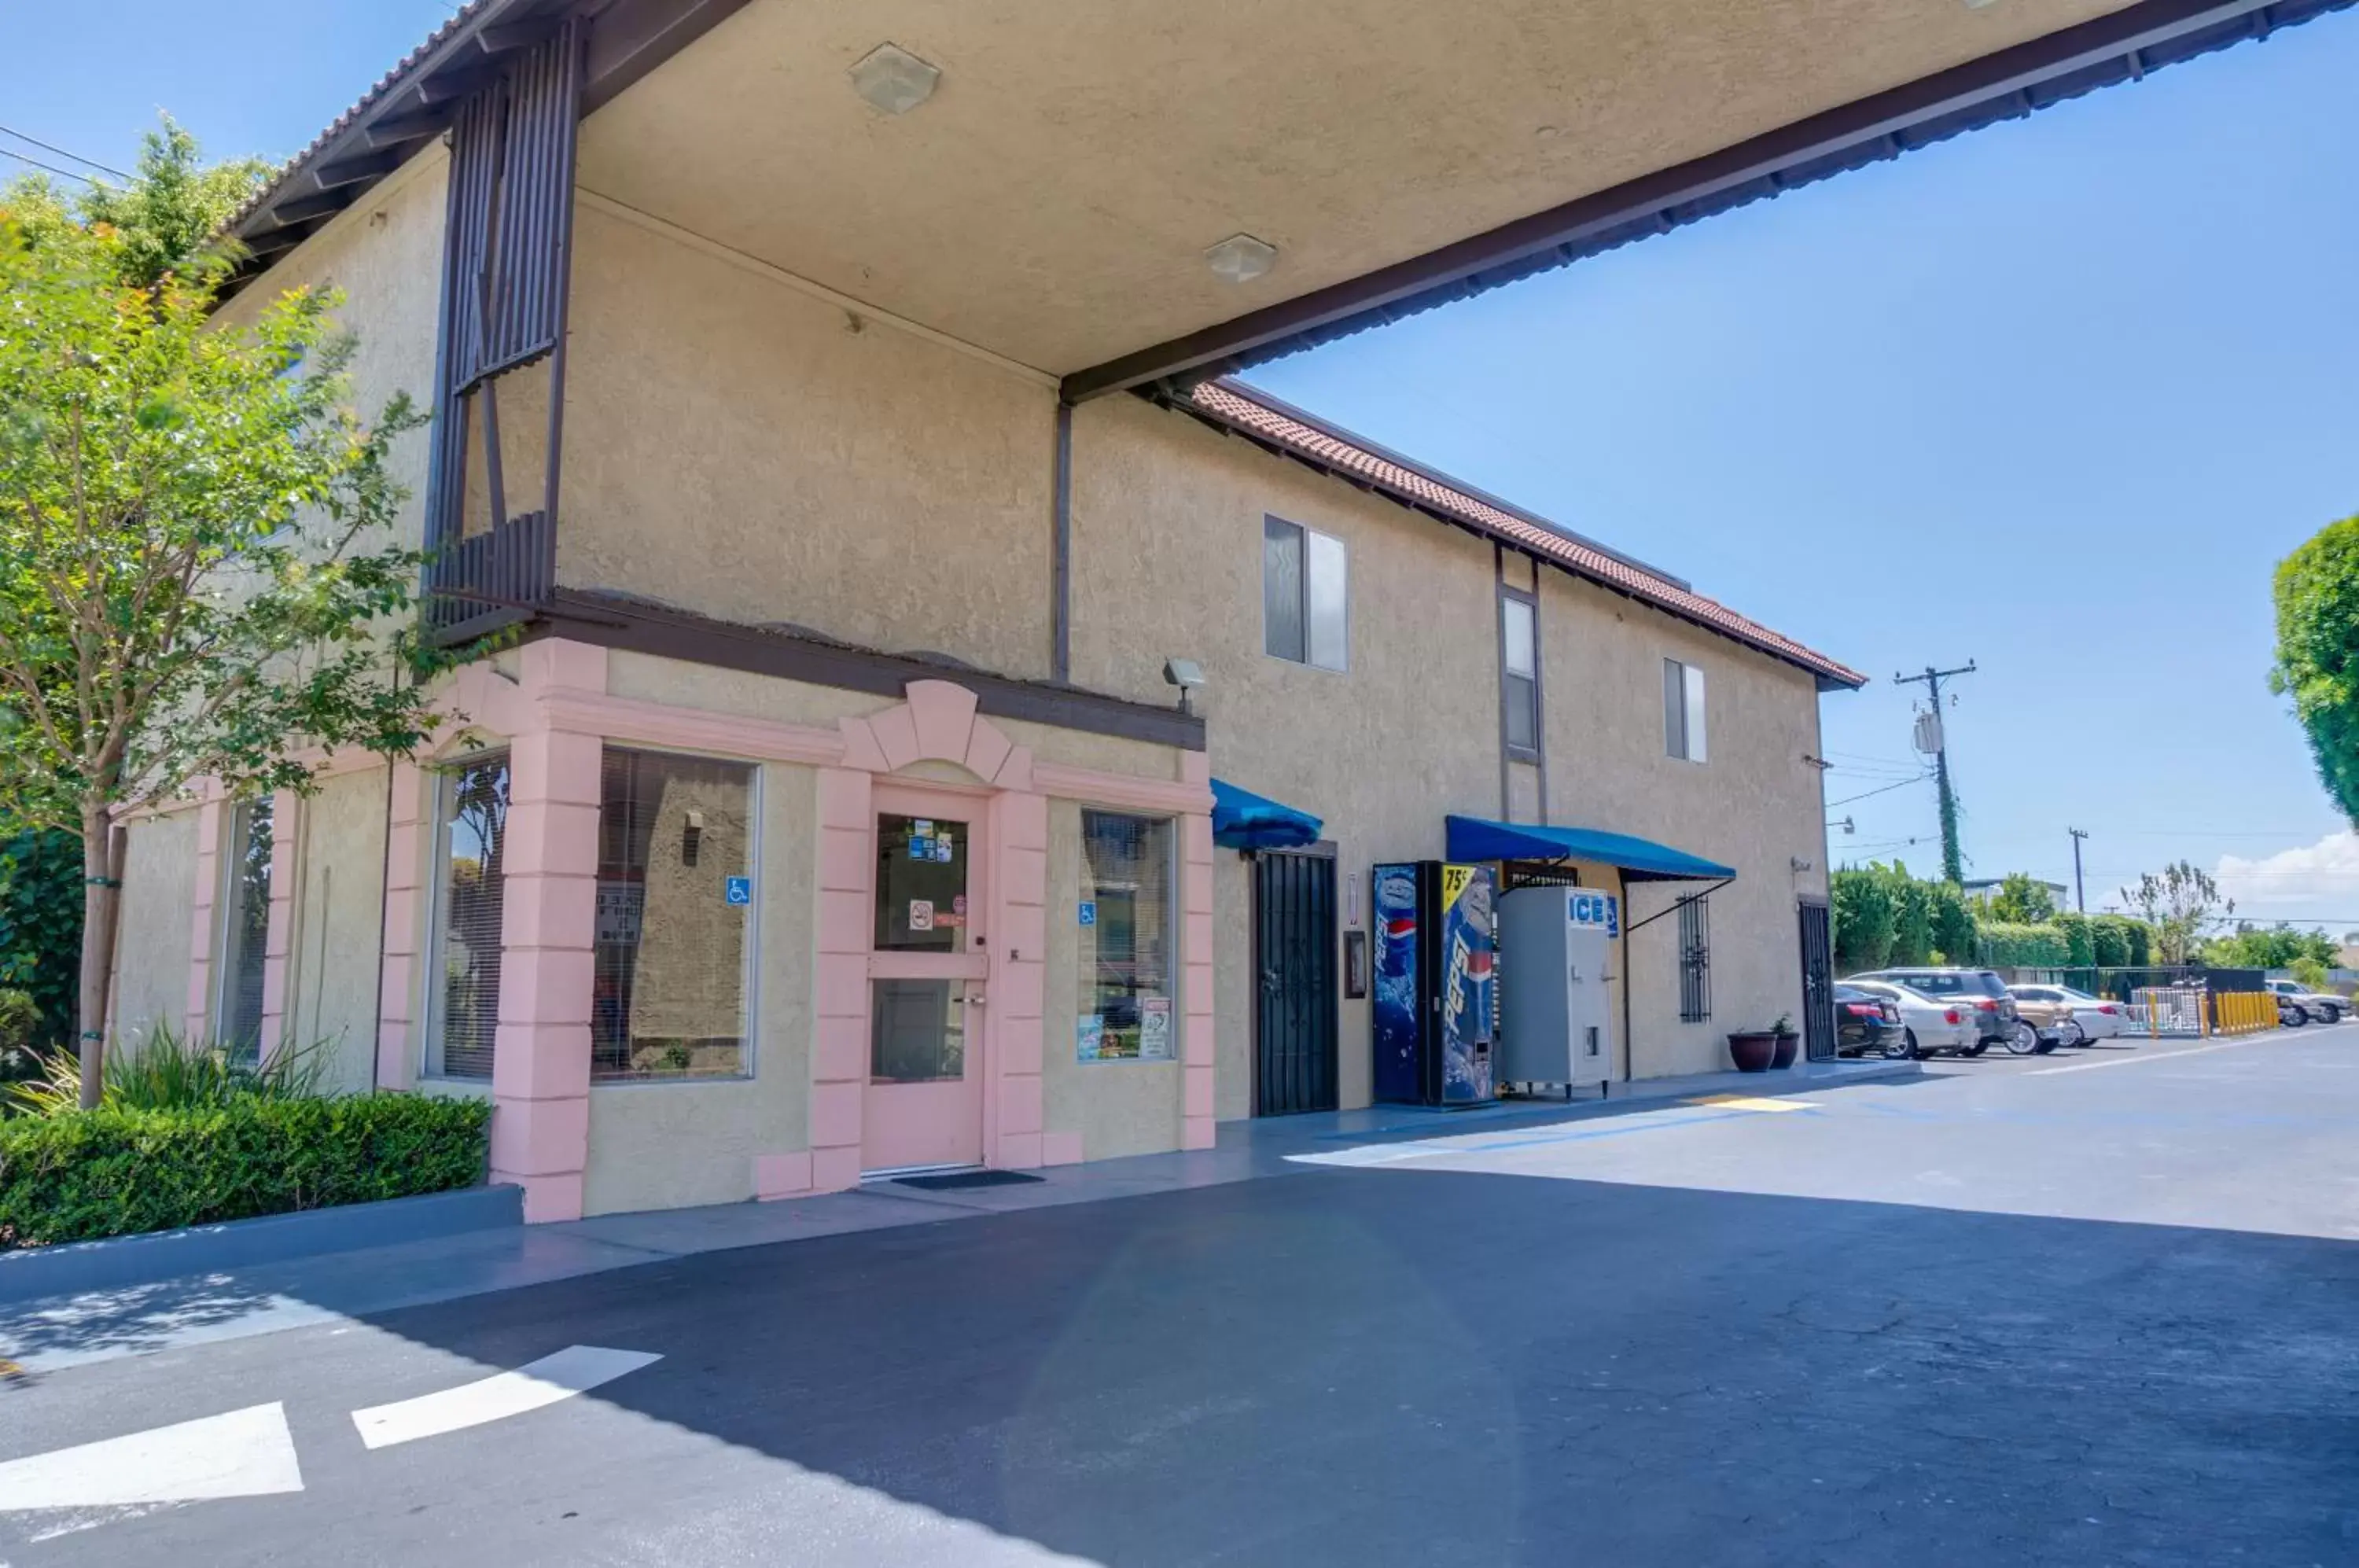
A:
[1054,202]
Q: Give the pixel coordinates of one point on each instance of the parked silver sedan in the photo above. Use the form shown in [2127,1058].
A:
[1933,1024]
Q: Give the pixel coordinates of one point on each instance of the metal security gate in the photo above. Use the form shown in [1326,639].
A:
[1294,998]
[1818,985]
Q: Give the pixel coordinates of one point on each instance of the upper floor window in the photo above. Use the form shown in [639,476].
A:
[1520,672]
[1303,600]
[1682,710]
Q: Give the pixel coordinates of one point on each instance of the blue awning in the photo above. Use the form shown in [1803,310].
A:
[1243,820]
[1641,859]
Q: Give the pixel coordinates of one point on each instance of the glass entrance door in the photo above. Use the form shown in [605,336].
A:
[924,1104]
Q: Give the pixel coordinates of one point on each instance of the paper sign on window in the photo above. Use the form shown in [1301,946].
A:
[1090,1037]
[1155,1029]
[922,914]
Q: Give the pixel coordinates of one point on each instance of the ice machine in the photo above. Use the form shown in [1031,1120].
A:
[1554,943]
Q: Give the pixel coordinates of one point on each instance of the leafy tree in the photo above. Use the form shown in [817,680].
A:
[2022,900]
[2079,937]
[2309,972]
[1912,917]
[2177,904]
[2275,947]
[40,924]
[192,578]
[2109,941]
[1861,904]
[2316,663]
[1953,922]
[168,219]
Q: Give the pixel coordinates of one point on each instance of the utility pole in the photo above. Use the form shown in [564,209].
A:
[2080,898]
[1953,864]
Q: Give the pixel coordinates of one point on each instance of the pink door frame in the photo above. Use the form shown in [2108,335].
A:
[939,1124]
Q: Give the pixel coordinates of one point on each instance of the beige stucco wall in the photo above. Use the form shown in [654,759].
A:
[151,952]
[1167,562]
[739,448]
[664,1145]
[386,253]
[339,866]
[1118,1108]
[1754,805]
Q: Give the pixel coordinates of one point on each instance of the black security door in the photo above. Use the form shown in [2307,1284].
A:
[1818,985]
[1294,1001]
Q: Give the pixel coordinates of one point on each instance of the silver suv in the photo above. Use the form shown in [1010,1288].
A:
[2317,1006]
[1980,990]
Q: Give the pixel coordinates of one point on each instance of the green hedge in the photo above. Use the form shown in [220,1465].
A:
[86,1174]
[2024,946]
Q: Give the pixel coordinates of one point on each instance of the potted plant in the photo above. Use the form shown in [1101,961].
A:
[1787,1040]
[1753,1050]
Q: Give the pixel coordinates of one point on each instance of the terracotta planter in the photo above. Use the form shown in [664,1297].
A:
[1753,1050]
[1787,1043]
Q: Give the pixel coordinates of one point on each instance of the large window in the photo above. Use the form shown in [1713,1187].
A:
[245,932]
[1695,960]
[1127,948]
[471,863]
[1304,599]
[674,918]
[1682,710]
[1520,672]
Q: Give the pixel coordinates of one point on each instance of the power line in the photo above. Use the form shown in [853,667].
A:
[70,156]
[1901,784]
[52,168]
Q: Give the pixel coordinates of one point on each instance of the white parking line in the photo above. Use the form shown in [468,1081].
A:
[245,1454]
[570,1371]
[2164,1056]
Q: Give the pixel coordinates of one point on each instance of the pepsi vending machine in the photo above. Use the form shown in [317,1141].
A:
[1432,1007]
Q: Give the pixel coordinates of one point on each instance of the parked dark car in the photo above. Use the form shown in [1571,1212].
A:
[1980,990]
[1868,1024]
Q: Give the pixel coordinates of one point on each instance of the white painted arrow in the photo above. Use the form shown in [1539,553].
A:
[570,1371]
[245,1454]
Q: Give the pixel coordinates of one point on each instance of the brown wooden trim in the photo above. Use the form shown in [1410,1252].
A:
[609,622]
[2121,46]
[633,38]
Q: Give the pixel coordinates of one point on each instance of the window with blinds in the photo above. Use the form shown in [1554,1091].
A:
[245,932]
[1520,672]
[470,867]
[674,918]
[1128,947]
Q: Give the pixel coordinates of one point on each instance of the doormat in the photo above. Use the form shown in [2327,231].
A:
[951,1180]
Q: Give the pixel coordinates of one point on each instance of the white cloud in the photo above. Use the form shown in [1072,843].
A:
[2317,881]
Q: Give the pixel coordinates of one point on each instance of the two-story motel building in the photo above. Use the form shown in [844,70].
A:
[830,409]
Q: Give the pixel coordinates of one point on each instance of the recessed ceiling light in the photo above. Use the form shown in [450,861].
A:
[1241,259]
[894,80]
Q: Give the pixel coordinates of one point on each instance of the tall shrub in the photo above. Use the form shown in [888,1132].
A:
[2080,936]
[2009,944]
[1861,904]
[1912,918]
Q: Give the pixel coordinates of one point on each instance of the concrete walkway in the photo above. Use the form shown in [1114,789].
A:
[44,1335]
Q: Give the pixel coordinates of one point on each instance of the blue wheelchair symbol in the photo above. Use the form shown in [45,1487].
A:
[740,889]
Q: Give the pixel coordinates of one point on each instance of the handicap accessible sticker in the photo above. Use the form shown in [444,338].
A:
[738,890]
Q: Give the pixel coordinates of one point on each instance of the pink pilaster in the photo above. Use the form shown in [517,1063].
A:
[1014,1097]
[1196,1130]
[278,953]
[847,866]
[408,842]
[541,1066]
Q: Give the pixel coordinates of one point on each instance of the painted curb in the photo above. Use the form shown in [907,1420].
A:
[74,1266]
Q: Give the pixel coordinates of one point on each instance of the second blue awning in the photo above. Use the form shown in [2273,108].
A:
[1243,820]
[1640,859]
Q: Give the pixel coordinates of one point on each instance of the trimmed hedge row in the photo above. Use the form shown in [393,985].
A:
[87,1175]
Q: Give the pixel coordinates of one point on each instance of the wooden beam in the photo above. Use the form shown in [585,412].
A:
[448,87]
[302,208]
[400,130]
[504,38]
[632,37]
[358,169]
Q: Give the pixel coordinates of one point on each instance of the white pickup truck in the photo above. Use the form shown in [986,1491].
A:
[2315,1007]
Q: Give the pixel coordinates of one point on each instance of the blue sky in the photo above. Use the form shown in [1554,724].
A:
[2055,397]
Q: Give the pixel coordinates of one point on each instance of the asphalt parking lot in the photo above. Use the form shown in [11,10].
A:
[2092,1308]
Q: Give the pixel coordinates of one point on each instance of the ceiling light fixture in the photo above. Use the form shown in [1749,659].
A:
[1241,259]
[894,80]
